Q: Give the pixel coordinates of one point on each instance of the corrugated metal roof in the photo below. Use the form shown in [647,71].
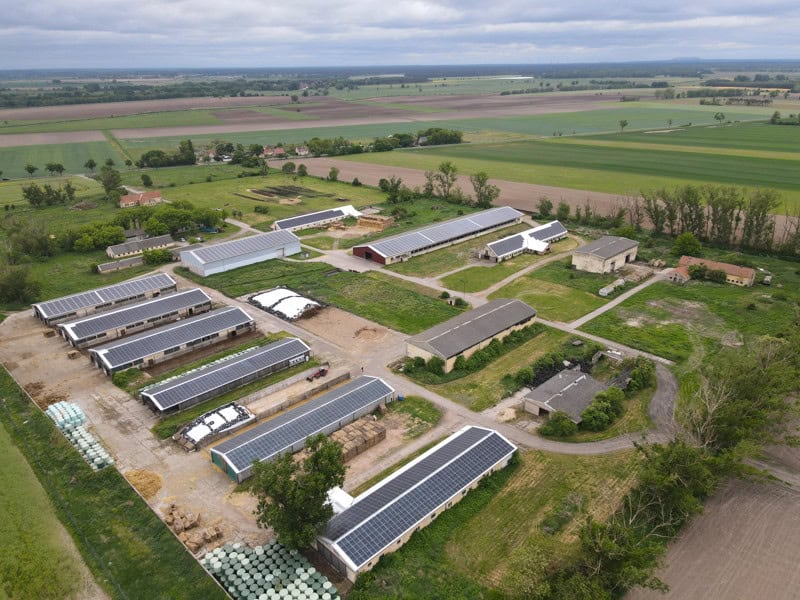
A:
[548,231]
[258,243]
[135,313]
[569,391]
[142,345]
[133,261]
[125,289]
[272,438]
[607,246]
[470,328]
[434,235]
[393,507]
[309,218]
[517,242]
[140,245]
[215,377]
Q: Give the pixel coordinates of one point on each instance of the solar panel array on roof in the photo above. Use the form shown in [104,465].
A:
[396,505]
[206,380]
[257,243]
[66,305]
[279,435]
[514,243]
[413,241]
[135,349]
[306,219]
[548,231]
[135,313]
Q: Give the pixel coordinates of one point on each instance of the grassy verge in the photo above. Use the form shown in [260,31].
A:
[130,552]
[470,550]
[477,279]
[423,414]
[452,257]
[169,425]
[34,562]
[484,388]
[375,298]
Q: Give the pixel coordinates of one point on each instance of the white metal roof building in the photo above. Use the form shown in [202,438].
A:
[536,240]
[225,256]
[288,432]
[151,347]
[85,303]
[227,374]
[113,324]
[384,517]
[315,219]
[406,245]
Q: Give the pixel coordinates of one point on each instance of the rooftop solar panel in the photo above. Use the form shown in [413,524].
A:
[257,243]
[276,436]
[146,344]
[135,313]
[548,231]
[514,243]
[214,377]
[125,289]
[309,218]
[398,504]
[437,234]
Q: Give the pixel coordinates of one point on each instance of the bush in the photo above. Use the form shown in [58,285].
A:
[260,209]
[444,295]
[595,417]
[559,425]
[435,365]
[356,182]
[460,363]
[717,276]
[157,257]
[147,181]
[460,303]
[687,244]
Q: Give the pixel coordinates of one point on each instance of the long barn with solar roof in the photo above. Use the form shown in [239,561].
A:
[404,246]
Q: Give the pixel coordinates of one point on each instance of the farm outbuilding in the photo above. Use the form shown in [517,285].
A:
[141,199]
[734,274]
[384,517]
[288,432]
[469,332]
[232,372]
[316,219]
[536,240]
[605,255]
[86,303]
[570,391]
[119,265]
[152,347]
[225,256]
[402,247]
[138,246]
[114,324]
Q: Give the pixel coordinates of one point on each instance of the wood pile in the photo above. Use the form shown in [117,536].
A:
[359,436]
[186,525]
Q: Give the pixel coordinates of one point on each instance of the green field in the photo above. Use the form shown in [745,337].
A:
[72,156]
[130,552]
[34,561]
[484,388]
[452,257]
[558,293]
[375,298]
[477,279]
[462,555]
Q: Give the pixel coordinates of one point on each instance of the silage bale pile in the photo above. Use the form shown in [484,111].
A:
[71,421]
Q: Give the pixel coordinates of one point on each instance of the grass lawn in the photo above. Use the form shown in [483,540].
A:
[130,552]
[72,156]
[452,257]
[470,550]
[34,562]
[375,298]
[477,279]
[423,413]
[484,388]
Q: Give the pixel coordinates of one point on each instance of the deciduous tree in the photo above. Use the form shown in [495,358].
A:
[485,192]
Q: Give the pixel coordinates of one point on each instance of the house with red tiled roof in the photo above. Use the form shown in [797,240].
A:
[734,274]
[143,199]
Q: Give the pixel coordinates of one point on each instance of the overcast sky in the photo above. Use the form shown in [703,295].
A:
[255,33]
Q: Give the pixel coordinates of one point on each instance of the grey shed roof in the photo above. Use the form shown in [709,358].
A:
[309,218]
[134,313]
[569,391]
[276,436]
[263,242]
[132,261]
[118,291]
[216,376]
[444,232]
[141,245]
[385,512]
[607,246]
[472,327]
[178,334]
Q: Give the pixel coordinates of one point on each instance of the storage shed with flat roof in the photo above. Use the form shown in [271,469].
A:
[470,331]
[385,516]
[225,256]
[152,347]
